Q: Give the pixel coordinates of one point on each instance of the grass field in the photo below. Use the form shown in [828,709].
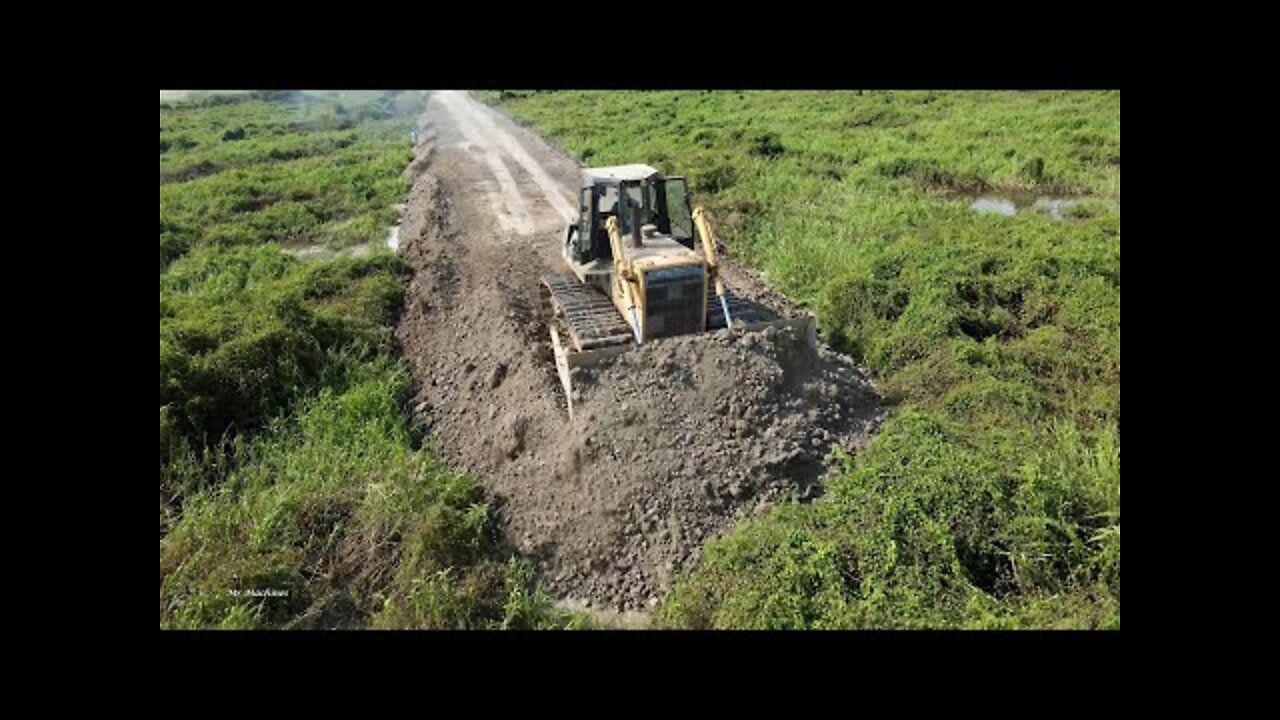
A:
[992,496]
[294,492]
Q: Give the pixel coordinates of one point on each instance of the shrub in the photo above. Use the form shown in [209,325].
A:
[715,178]
[767,145]
[1033,170]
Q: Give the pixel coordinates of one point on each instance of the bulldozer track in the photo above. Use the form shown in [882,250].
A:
[590,318]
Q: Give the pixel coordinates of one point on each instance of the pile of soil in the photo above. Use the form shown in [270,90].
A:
[676,440]
[671,442]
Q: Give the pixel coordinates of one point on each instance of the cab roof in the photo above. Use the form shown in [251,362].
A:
[614,174]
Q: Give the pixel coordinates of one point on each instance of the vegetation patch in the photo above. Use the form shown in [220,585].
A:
[294,493]
[992,497]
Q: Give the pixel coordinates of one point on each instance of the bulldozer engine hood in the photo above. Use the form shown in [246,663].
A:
[659,251]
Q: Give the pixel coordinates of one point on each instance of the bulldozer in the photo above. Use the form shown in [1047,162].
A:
[642,267]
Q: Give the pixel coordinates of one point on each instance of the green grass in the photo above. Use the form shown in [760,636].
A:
[300,169]
[992,496]
[333,506]
[294,493]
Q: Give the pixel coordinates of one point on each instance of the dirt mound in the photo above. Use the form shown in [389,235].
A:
[675,440]
[671,442]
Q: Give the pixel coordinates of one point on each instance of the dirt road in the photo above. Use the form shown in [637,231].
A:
[669,446]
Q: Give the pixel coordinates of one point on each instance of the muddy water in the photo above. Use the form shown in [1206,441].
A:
[1010,204]
[997,205]
[320,251]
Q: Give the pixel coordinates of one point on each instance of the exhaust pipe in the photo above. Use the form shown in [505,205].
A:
[636,233]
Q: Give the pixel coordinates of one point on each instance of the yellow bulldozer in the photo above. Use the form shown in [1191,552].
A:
[642,267]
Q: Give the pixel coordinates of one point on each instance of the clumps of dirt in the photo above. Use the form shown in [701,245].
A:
[675,440]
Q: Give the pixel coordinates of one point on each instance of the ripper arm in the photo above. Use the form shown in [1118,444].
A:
[709,250]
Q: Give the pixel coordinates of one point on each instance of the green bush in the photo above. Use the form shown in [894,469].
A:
[1033,171]
[714,179]
[767,145]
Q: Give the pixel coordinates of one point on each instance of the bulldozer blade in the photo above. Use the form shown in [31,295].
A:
[567,359]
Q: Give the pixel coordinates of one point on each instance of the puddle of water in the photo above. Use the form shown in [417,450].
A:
[1054,207]
[324,252]
[999,206]
[311,252]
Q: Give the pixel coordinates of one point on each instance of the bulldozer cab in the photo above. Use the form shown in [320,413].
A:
[629,192]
